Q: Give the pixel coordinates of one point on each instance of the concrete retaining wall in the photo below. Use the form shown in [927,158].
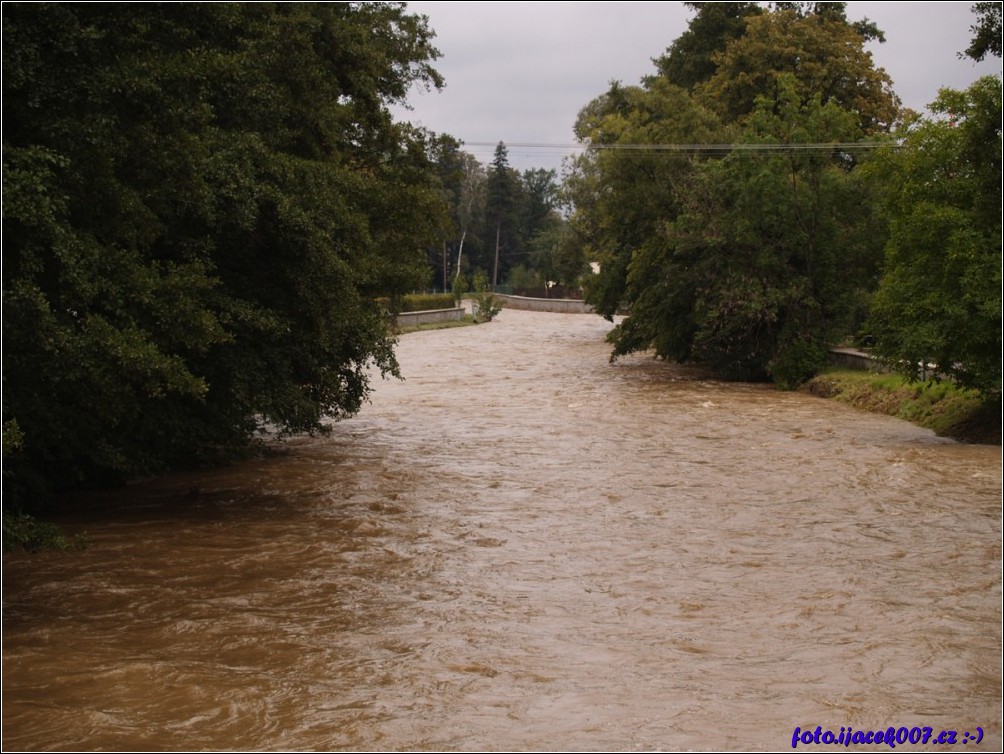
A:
[854,359]
[559,305]
[410,319]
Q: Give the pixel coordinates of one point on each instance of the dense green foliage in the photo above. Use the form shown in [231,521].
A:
[821,54]
[418,302]
[22,531]
[939,305]
[741,218]
[755,263]
[201,203]
[987,31]
[624,198]
[690,60]
[755,257]
[486,305]
[504,224]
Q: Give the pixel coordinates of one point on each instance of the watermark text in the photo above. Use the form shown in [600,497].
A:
[891,737]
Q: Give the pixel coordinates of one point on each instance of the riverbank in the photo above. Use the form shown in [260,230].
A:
[948,410]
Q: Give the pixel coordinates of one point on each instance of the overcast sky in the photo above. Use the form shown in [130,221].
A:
[520,72]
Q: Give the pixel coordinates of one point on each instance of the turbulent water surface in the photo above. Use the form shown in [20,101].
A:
[523,546]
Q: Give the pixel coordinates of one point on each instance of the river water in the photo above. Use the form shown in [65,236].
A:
[523,546]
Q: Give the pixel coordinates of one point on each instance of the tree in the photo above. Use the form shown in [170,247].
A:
[690,60]
[939,305]
[540,195]
[986,31]
[822,51]
[503,205]
[200,204]
[752,258]
[557,254]
[759,271]
[471,204]
[624,197]
[834,11]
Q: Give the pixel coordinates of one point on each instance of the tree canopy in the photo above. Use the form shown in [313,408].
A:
[504,197]
[690,60]
[742,219]
[519,210]
[724,224]
[201,202]
[986,31]
[938,308]
[759,258]
[824,54]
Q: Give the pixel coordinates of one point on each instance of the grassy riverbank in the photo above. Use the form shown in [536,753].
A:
[948,410]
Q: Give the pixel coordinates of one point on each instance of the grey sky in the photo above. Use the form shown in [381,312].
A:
[520,72]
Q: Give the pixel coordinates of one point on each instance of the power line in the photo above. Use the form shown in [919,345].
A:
[718,148]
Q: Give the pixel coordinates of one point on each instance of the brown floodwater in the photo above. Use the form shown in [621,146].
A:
[523,546]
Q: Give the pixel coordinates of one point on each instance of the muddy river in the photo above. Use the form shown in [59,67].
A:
[523,546]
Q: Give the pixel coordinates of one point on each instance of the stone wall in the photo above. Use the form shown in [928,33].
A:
[410,319]
[559,305]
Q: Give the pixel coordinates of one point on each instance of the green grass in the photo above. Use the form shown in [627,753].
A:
[942,406]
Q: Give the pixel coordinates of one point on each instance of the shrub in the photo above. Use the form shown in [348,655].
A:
[797,363]
[418,302]
[486,306]
[24,532]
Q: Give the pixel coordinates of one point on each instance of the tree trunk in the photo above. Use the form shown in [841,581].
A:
[495,274]
[460,253]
